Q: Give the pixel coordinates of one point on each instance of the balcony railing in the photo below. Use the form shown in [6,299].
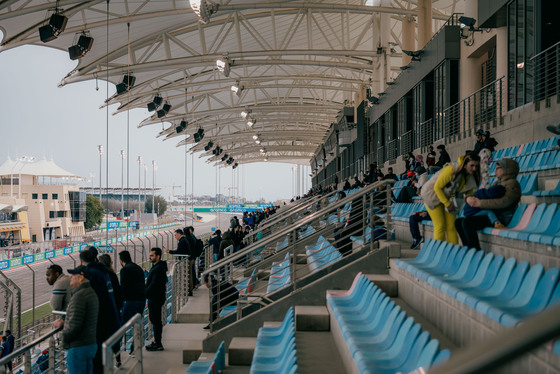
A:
[546,67]
[393,149]
[406,143]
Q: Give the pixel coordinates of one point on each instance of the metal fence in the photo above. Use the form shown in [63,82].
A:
[393,149]
[406,143]
[546,76]
[132,362]
[380,155]
[50,360]
[297,254]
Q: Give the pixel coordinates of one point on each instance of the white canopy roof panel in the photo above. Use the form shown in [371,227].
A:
[296,63]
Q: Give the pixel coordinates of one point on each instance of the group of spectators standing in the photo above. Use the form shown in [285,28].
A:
[96,303]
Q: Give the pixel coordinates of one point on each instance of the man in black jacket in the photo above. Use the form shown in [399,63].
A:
[108,319]
[183,247]
[133,287]
[443,159]
[156,293]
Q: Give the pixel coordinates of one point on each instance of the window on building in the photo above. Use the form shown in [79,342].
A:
[52,214]
[45,196]
[34,196]
[77,206]
[55,196]
[61,214]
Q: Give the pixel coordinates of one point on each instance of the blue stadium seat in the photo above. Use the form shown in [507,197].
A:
[217,364]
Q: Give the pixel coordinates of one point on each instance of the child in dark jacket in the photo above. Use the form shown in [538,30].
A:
[493,192]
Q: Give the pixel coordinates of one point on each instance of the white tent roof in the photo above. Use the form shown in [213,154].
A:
[298,62]
[41,168]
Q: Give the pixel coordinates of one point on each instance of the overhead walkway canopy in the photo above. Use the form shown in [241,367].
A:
[296,64]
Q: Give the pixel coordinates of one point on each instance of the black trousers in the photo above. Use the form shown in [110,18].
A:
[154,309]
[467,228]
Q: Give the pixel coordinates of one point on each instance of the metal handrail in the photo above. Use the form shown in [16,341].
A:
[107,347]
[303,222]
[27,348]
[491,353]
[544,51]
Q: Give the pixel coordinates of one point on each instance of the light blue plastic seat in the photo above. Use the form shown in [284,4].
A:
[533,223]
[520,309]
[521,297]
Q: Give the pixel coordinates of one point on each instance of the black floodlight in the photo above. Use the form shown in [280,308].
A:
[80,49]
[373,99]
[56,25]
[208,146]
[127,83]
[181,127]
[230,161]
[467,21]
[155,103]
[225,157]
[164,110]
[234,165]
[416,55]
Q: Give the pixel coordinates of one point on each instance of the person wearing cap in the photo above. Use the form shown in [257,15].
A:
[504,206]
[61,287]
[80,324]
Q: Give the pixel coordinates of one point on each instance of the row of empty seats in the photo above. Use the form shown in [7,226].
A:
[526,149]
[504,291]
[279,275]
[378,334]
[275,350]
[321,254]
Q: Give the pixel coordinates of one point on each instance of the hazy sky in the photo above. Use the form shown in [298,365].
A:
[37,118]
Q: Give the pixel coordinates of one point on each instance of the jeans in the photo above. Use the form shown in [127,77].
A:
[467,229]
[414,223]
[154,308]
[80,359]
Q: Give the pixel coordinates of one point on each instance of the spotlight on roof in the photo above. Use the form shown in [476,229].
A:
[230,161]
[156,102]
[390,83]
[199,135]
[208,146]
[245,113]
[251,122]
[223,65]
[164,110]
[203,10]
[258,141]
[56,26]
[255,137]
[467,21]
[373,99]
[83,46]
[237,88]
[126,84]
[181,127]
[416,55]
[266,159]
[234,166]
[225,157]
[404,67]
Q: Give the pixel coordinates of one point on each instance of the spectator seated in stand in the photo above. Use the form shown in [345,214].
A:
[494,192]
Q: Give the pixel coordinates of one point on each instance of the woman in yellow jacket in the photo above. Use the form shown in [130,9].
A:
[440,190]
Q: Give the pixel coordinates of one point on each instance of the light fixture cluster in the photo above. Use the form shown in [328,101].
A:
[237,88]
[203,10]
[164,110]
[56,26]
[182,126]
[257,139]
[223,65]
[156,102]
[199,135]
[126,84]
[246,114]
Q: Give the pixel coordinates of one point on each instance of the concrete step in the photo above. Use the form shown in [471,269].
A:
[241,350]
[317,353]
[312,318]
[386,283]
[197,308]
[192,349]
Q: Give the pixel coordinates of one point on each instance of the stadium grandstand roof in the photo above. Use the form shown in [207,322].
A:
[42,168]
[295,63]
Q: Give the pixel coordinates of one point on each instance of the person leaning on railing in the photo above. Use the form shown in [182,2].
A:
[80,325]
[61,287]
